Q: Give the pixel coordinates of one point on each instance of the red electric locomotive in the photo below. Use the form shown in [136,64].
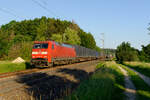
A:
[46,53]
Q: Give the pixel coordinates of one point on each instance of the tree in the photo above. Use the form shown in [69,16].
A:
[42,30]
[5,43]
[71,37]
[3,46]
[90,41]
[87,40]
[125,52]
[97,49]
[57,38]
[144,54]
[22,49]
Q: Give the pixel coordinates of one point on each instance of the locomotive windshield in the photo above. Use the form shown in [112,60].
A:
[40,46]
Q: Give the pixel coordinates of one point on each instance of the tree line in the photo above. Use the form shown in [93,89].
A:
[16,38]
[125,52]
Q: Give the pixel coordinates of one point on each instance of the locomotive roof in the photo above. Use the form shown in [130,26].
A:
[41,41]
[61,44]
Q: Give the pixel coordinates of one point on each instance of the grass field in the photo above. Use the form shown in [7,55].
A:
[7,66]
[143,90]
[105,84]
[143,68]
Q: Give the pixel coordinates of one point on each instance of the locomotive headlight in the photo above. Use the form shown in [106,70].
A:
[34,52]
[43,52]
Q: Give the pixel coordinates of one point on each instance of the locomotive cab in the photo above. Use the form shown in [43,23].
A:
[41,55]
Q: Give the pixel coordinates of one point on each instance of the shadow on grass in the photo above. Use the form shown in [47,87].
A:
[43,86]
[78,74]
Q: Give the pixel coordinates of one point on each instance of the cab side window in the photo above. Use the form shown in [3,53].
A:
[52,46]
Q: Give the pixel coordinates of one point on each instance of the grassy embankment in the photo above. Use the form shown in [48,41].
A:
[7,66]
[143,68]
[107,83]
[143,90]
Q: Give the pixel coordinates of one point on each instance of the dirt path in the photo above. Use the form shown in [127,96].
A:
[130,90]
[145,78]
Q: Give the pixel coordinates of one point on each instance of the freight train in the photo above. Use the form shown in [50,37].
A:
[48,53]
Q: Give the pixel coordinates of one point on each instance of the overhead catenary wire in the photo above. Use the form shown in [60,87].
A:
[9,12]
[43,5]
[45,8]
[44,2]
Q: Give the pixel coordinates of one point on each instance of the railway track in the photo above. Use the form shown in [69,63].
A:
[9,74]
[44,84]
[28,71]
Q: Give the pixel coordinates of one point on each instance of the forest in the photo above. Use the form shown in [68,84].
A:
[16,37]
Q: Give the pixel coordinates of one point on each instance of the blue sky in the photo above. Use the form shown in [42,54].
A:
[120,20]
